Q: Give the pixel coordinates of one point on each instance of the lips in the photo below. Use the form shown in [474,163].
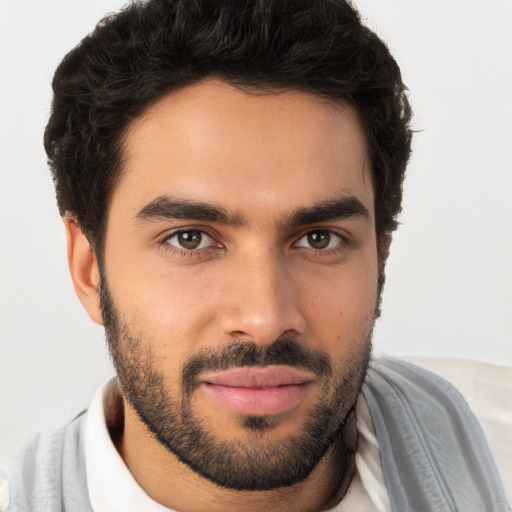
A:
[259,391]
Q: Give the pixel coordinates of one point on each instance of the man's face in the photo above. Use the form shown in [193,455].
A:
[240,278]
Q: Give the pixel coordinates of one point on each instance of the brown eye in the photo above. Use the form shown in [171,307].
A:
[192,239]
[320,239]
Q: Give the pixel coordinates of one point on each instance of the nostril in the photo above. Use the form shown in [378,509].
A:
[239,334]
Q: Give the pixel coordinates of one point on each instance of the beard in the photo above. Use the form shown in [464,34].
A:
[254,462]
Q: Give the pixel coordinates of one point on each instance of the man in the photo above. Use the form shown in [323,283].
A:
[230,175]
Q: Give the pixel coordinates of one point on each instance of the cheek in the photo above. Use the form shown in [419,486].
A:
[168,309]
[345,302]
[166,321]
[340,305]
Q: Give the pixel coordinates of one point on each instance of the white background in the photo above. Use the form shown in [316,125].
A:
[449,286]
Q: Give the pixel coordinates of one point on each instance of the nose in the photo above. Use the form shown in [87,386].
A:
[261,300]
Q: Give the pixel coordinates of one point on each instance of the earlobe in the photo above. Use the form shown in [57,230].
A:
[83,266]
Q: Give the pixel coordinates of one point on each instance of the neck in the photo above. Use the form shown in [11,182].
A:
[173,484]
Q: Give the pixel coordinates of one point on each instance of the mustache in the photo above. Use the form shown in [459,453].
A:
[283,351]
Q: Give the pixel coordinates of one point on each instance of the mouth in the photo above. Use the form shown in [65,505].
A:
[258,391]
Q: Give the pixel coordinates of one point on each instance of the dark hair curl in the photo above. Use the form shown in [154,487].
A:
[151,48]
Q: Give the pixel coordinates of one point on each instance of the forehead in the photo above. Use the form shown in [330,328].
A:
[247,152]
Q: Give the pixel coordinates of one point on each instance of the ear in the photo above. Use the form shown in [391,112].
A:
[83,266]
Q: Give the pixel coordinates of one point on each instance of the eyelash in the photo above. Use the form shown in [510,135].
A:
[190,253]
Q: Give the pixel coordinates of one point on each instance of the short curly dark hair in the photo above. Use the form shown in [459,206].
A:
[154,47]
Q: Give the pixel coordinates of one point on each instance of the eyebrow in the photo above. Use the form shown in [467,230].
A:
[328,210]
[164,208]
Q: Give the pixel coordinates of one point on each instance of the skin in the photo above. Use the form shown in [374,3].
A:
[261,158]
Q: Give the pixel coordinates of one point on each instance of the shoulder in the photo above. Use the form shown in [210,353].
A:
[393,369]
[411,394]
[429,439]
[458,387]
[403,396]
[34,478]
